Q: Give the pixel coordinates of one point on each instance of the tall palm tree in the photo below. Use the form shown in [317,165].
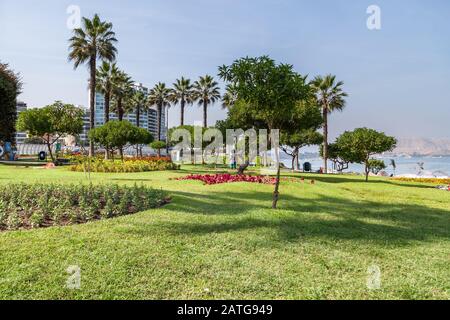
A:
[106,76]
[139,100]
[122,91]
[159,96]
[230,96]
[330,97]
[206,91]
[94,40]
[182,93]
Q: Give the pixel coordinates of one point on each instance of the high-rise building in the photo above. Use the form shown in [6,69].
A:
[21,136]
[147,120]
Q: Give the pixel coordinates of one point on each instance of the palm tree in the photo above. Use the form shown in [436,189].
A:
[330,97]
[139,100]
[106,76]
[94,40]
[182,93]
[230,97]
[122,91]
[159,96]
[206,91]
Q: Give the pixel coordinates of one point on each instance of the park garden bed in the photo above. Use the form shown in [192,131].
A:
[137,164]
[211,179]
[26,206]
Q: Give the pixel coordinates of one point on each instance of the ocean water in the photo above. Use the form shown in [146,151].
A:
[405,165]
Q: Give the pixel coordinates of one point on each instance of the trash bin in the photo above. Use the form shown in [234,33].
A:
[307,167]
[42,156]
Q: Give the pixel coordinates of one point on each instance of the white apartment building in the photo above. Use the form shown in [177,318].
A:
[148,118]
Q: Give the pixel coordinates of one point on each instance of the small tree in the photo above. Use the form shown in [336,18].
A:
[158,145]
[52,122]
[302,131]
[375,165]
[298,140]
[337,157]
[10,88]
[115,135]
[359,145]
[270,91]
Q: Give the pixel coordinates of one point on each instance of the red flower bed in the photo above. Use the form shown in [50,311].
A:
[228,178]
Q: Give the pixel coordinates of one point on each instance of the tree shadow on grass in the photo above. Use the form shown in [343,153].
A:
[348,179]
[324,217]
[132,179]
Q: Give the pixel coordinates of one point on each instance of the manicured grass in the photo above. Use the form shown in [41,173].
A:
[223,241]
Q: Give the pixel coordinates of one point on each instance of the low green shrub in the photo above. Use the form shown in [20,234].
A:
[132,165]
[25,206]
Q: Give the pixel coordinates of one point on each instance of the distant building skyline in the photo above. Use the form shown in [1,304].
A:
[147,119]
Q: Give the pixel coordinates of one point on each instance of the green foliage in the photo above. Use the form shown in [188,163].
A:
[193,132]
[269,90]
[34,140]
[110,166]
[117,134]
[359,145]
[52,122]
[302,131]
[47,205]
[95,39]
[182,93]
[330,94]
[158,145]
[375,165]
[206,91]
[159,96]
[336,156]
[10,86]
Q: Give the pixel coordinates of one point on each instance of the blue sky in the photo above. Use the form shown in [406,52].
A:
[398,78]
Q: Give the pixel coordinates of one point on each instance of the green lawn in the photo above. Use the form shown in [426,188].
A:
[223,242]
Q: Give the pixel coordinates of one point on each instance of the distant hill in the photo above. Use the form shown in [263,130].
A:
[423,147]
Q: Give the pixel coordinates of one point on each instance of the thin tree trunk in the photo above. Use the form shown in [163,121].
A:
[107,105]
[120,109]
[138,122]
[159,122]
[366,169]
[276,192]
[325,140]
[49,146]
[167,130]
[120,115]
[106,115]
[183,102]
[93,69]
[205,114]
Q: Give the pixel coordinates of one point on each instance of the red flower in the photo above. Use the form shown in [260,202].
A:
[228,178]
